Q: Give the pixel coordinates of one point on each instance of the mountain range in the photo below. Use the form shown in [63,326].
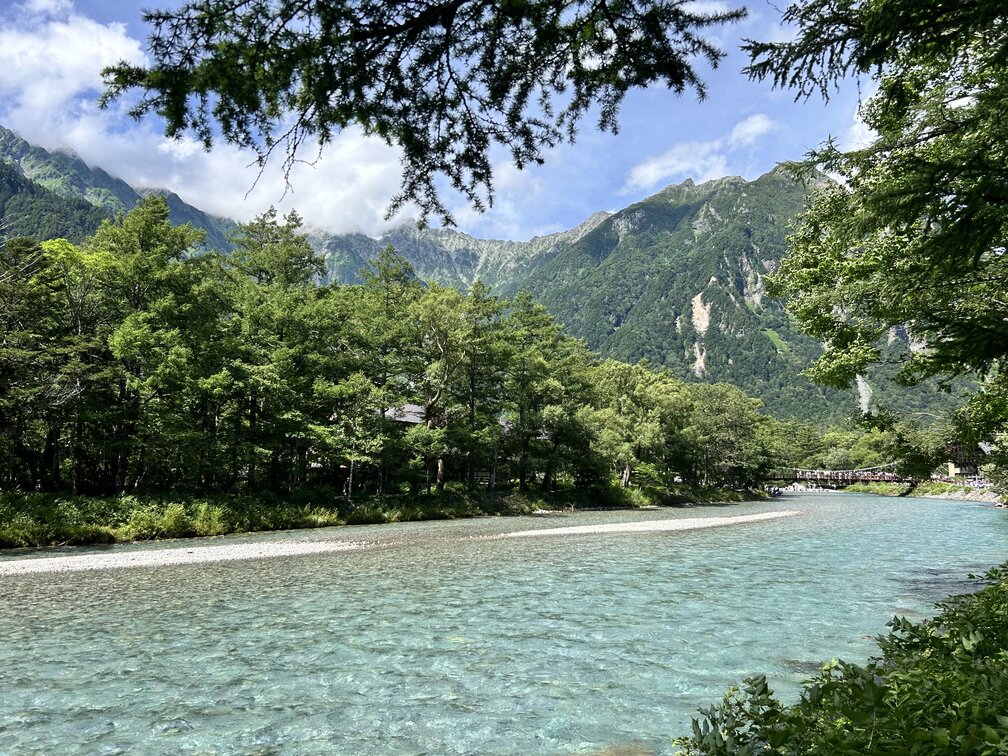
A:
[65,175]
[677,278]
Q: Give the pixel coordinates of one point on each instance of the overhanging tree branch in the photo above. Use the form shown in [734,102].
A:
[443,81]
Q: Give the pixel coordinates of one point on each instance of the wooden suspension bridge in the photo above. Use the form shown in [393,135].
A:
[880,474]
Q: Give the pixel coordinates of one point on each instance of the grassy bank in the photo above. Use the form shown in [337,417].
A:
[39,519]
[880,489]
[929,488]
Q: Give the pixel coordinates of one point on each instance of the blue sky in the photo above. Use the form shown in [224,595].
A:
[51,52]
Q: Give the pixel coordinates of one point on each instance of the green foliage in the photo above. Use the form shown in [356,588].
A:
[640,423]
[130,367]
[911,240]
[46,519]
[729,436]
[885,441]
[881,489]
[443,81]
[938,688]
[35,520]
[943,488]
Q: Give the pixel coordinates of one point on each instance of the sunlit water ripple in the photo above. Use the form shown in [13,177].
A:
[436,639]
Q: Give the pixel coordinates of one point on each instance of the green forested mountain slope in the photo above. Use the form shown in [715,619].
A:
[27,209]
[678,279]
[68,176]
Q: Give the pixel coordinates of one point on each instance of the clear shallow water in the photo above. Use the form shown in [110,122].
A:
[438,641]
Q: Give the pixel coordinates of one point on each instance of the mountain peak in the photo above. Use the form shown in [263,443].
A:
[589,224]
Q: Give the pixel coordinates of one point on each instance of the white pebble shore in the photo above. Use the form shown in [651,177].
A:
[165,557]
[274,549]
[651,526]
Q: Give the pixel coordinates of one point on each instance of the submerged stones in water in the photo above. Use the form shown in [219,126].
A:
[803,666]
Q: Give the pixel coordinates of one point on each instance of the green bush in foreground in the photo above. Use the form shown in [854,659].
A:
[940,687]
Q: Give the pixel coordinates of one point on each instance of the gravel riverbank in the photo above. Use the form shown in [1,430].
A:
[977,494]
[166,557]
[651,526]
[273,549]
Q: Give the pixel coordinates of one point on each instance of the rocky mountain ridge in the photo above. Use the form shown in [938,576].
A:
[448,256]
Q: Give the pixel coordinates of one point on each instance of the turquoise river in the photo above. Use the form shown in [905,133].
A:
[436,639]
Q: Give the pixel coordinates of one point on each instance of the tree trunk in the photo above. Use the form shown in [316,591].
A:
[51,457]
[253,419]
[76,452]
[302,464]
[382,463]
[124,438]
[523,455]
[550,475]
[523,467]
[470,469]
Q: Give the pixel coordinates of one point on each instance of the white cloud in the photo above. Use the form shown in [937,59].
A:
[857,136]
[46,7]
[707,6]
[347,189]
[49,63]
[515,191]
[750,130]
[700,160]
[52,57]
[778,32]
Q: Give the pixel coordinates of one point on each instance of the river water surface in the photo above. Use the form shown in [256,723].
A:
[437,639]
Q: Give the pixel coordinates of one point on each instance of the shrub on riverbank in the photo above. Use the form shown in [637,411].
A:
[939,488]
[933,488]
[880,489]
[938,688]
[51,520]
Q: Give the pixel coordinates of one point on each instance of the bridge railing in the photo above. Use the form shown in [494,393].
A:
[840,476]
